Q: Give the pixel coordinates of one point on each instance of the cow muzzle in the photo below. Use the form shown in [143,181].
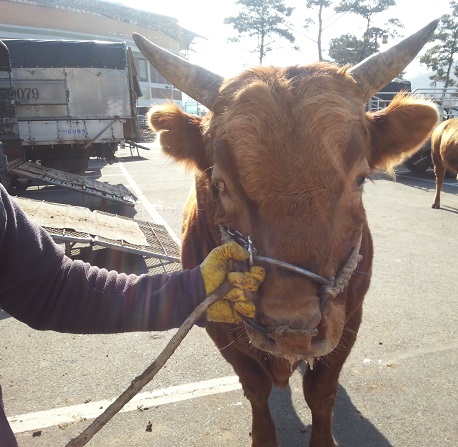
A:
[329,288]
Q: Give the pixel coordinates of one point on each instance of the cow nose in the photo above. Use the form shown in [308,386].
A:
[301,329]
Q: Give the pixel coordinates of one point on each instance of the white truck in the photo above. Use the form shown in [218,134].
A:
[63,102]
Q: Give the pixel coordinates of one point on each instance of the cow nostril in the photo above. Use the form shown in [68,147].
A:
[314,321]
[298,328]
[266,321]
[281,331]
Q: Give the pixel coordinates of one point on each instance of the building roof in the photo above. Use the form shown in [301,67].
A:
[165,24]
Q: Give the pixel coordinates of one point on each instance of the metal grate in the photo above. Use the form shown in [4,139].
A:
[161,255]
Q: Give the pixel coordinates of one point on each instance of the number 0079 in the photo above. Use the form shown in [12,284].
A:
[26,93]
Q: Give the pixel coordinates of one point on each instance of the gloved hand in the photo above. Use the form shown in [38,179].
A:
[215,270]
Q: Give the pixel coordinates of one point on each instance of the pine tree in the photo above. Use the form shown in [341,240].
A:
[441,57]
[263,19]
[351,49]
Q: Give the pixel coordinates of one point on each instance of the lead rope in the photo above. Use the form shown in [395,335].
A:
[143,379]
[329,289]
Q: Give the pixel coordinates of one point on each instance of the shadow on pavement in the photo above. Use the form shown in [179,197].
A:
[291,431]
[4,315]
[112,260]
[127,159]
[424,181]
[410,178]
[350,428]
[450,209]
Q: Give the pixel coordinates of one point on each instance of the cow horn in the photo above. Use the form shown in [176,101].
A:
[197,82]
[379,69]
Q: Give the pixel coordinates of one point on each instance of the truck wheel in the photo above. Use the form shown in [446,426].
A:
[418,163]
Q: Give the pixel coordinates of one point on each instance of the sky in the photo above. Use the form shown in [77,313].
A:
[214,52]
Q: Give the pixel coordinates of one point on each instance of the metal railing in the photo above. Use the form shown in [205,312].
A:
[445,98]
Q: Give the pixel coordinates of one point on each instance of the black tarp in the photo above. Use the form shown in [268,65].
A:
[5,64]
[388,92]
[31,53]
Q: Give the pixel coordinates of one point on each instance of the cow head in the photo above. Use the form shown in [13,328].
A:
[282,157]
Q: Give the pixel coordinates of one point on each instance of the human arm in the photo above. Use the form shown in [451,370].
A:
[45,289]
[42,287]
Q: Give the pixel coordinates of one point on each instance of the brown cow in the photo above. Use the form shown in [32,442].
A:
[280,163]
[444,152]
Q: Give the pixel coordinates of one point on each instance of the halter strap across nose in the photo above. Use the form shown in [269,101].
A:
[330,287]
[246,243]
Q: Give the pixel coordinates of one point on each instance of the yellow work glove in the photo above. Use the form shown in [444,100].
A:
[228,308]
[215,270]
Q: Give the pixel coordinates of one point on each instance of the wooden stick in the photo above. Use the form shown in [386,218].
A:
[140,381]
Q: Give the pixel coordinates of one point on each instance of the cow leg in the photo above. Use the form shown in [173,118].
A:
[320,391]
[320,386]
[257,387]
[256,384]
[439,171]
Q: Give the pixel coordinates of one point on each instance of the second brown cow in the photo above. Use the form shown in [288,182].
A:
[444,152]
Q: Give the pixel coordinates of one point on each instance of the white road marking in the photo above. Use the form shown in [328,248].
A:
[157,218]
[142,401]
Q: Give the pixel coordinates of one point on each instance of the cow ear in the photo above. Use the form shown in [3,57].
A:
[180,135]
[400,130]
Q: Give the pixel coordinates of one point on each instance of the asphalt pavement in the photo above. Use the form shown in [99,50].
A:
[398,387]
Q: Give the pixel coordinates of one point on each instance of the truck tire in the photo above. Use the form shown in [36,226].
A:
[418,162]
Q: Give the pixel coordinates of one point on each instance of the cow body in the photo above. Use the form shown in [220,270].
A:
[444,152]
[282,158]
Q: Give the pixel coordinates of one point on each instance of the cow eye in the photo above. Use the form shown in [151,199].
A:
[360,181]
[219,186]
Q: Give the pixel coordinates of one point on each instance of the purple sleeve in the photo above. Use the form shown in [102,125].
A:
[43,288]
